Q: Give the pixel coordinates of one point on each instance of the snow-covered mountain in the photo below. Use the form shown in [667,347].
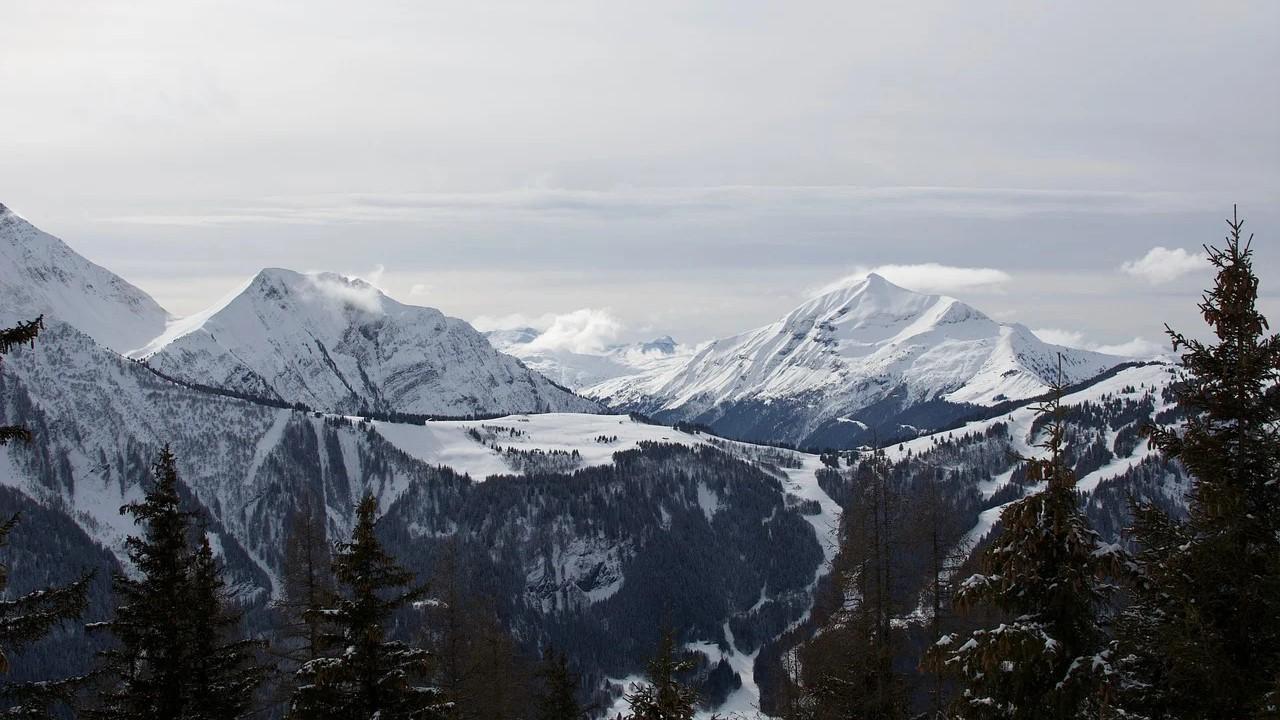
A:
[870,358]
[581,525]
[338,343]
[530,503]
[40,275]
[578,370]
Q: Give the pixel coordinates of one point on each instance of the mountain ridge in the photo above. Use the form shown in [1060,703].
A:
[867,352]
[42,275]
[318,339]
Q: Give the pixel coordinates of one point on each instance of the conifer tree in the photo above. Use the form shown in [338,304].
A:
[1202,638]
[558,697]
[224,671]
[149,665]
[24,333]
[664,697]
[174,658]
[1045,574]
[25,620]
[477,663]
[28,618]
[363,675]
[936,523]
[307,586]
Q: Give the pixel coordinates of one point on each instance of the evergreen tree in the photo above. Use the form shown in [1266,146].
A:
[173,659]
[26,619]
[478,666]
[936,523]
[307,586]
[1206,614]
[558,698]
[664,697]
[149,666]
[23,621]
[1045,574]
[363,675]
[24,333]
[224,671]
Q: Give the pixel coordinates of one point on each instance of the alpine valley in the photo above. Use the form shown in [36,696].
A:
[700,487]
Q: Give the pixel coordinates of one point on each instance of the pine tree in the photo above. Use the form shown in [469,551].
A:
[149,665]
[1046,575]
[1207,599]
[28,618]
[24,333]
[224,671]
[307,585]
[23,621]
[664,697]
[478,665]
[365,676]
[935,524]
[174,658]
[558,697]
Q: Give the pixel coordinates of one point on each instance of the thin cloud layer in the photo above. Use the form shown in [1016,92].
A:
[1139,347]
[586,331]
[929,278]
[346,291]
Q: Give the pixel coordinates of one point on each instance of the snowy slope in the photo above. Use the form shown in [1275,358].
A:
[99,419]
[1015,434]
[454,443]
[39,274]
[337,343]
[845,351]
[580,370]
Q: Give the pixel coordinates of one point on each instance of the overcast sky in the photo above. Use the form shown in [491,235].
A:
[692,168]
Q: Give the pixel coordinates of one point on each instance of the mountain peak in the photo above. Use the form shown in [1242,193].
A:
[665,345]
[42,275]
[277,273]
[336,342]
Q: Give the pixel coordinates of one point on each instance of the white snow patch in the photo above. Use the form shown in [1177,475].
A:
[709,501]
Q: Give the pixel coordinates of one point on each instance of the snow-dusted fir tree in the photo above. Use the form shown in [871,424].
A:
[24,333]
[366,676]
[1202,638]
[28,618]
[664,697]
[1044,575]
[224,671]
[175,657]
[25,620]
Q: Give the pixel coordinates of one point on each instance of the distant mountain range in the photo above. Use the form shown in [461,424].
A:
[586,529]
[321,340]
[580,370]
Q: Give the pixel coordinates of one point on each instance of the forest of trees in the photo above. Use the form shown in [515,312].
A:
[1044,619]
